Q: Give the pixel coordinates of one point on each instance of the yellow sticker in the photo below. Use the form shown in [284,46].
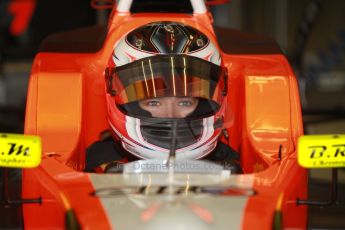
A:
[19,151]
[321,151]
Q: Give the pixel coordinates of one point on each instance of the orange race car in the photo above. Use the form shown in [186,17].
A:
[73,89]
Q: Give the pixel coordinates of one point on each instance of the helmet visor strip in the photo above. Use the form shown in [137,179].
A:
[167,76]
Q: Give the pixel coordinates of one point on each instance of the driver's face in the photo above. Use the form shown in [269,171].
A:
[169,107]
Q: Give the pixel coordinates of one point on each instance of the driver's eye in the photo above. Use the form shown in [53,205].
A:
[185,103]
[153,103]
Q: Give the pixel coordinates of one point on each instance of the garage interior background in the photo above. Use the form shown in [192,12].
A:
[310,32]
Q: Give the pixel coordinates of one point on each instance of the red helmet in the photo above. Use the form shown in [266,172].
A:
[165,60]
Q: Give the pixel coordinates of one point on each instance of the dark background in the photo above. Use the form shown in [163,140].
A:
[310,32]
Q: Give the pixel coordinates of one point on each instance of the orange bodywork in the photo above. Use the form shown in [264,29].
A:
[66,108]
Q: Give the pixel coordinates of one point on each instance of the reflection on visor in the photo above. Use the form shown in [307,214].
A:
[166,76]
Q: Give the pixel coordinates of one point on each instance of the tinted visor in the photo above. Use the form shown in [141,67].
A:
[167,76]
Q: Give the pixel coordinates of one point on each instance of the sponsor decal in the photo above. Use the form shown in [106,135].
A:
[19,151]
[321,151]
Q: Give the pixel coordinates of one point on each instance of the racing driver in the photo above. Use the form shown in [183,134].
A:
[162,79]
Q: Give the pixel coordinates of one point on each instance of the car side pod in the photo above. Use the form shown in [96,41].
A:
[25,151]
[322,151]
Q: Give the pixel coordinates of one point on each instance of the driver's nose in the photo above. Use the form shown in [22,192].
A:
[172,111]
